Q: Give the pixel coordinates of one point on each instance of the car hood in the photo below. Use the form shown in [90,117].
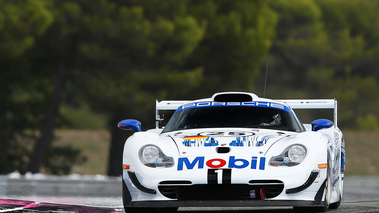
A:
[192,142]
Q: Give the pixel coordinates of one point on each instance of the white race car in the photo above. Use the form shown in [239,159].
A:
[234,149]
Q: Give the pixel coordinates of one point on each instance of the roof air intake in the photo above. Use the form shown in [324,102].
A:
[233,97]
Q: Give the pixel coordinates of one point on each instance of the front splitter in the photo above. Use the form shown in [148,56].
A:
[223,203]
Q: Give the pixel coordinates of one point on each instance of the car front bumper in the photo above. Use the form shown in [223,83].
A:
[255,193]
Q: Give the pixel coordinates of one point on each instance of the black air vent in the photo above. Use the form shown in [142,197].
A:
[175,182]
[223,150]
[233,98]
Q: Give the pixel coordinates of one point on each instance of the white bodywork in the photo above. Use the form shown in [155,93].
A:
[240,157]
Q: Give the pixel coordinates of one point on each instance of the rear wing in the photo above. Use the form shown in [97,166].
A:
[293,103]
[164,106]
[314,104]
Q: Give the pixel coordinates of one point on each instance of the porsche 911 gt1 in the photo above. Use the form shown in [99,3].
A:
[231,150]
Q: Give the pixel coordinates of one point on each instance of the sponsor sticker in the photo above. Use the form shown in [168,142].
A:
[216,163]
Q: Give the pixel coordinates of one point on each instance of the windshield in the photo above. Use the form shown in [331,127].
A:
[233,116]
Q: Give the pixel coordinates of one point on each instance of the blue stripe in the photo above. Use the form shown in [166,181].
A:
[254,163]
[262,163]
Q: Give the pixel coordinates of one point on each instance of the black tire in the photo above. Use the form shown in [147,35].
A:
[327,187]
[338,203]
[335,205]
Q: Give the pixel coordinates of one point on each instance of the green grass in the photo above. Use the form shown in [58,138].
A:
[361,151]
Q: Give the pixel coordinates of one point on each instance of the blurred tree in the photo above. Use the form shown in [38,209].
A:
[327,49]
[21,23]
[55,55]
[60,159]
[238,36]
[300,41]
[150,50]
[119,56]
[144,60]
[165,48]
[353,31]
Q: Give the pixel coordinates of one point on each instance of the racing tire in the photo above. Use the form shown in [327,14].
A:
[338,203]
[328,187]
[335,205]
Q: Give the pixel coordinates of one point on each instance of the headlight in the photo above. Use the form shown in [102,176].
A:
[297,153]
[152,156]
[292,156]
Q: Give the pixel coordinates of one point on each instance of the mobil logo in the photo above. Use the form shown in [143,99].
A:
[216,163]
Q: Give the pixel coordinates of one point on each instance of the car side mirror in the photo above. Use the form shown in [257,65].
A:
[130,124]
[321,124]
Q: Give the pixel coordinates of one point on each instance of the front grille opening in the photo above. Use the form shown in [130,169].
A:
[219,191]
[272,187]
[169,192]
[271,192]
[168,188]
[269,182]
[175,182]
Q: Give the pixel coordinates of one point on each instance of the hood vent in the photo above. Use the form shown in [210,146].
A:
[222,150]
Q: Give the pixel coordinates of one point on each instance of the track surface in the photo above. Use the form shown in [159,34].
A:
[102,194]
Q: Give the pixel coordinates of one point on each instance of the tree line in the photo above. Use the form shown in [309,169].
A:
[115,58]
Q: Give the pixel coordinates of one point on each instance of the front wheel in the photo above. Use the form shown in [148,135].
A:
[335,205]
[328,186]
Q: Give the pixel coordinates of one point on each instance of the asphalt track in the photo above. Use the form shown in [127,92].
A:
[102,194]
